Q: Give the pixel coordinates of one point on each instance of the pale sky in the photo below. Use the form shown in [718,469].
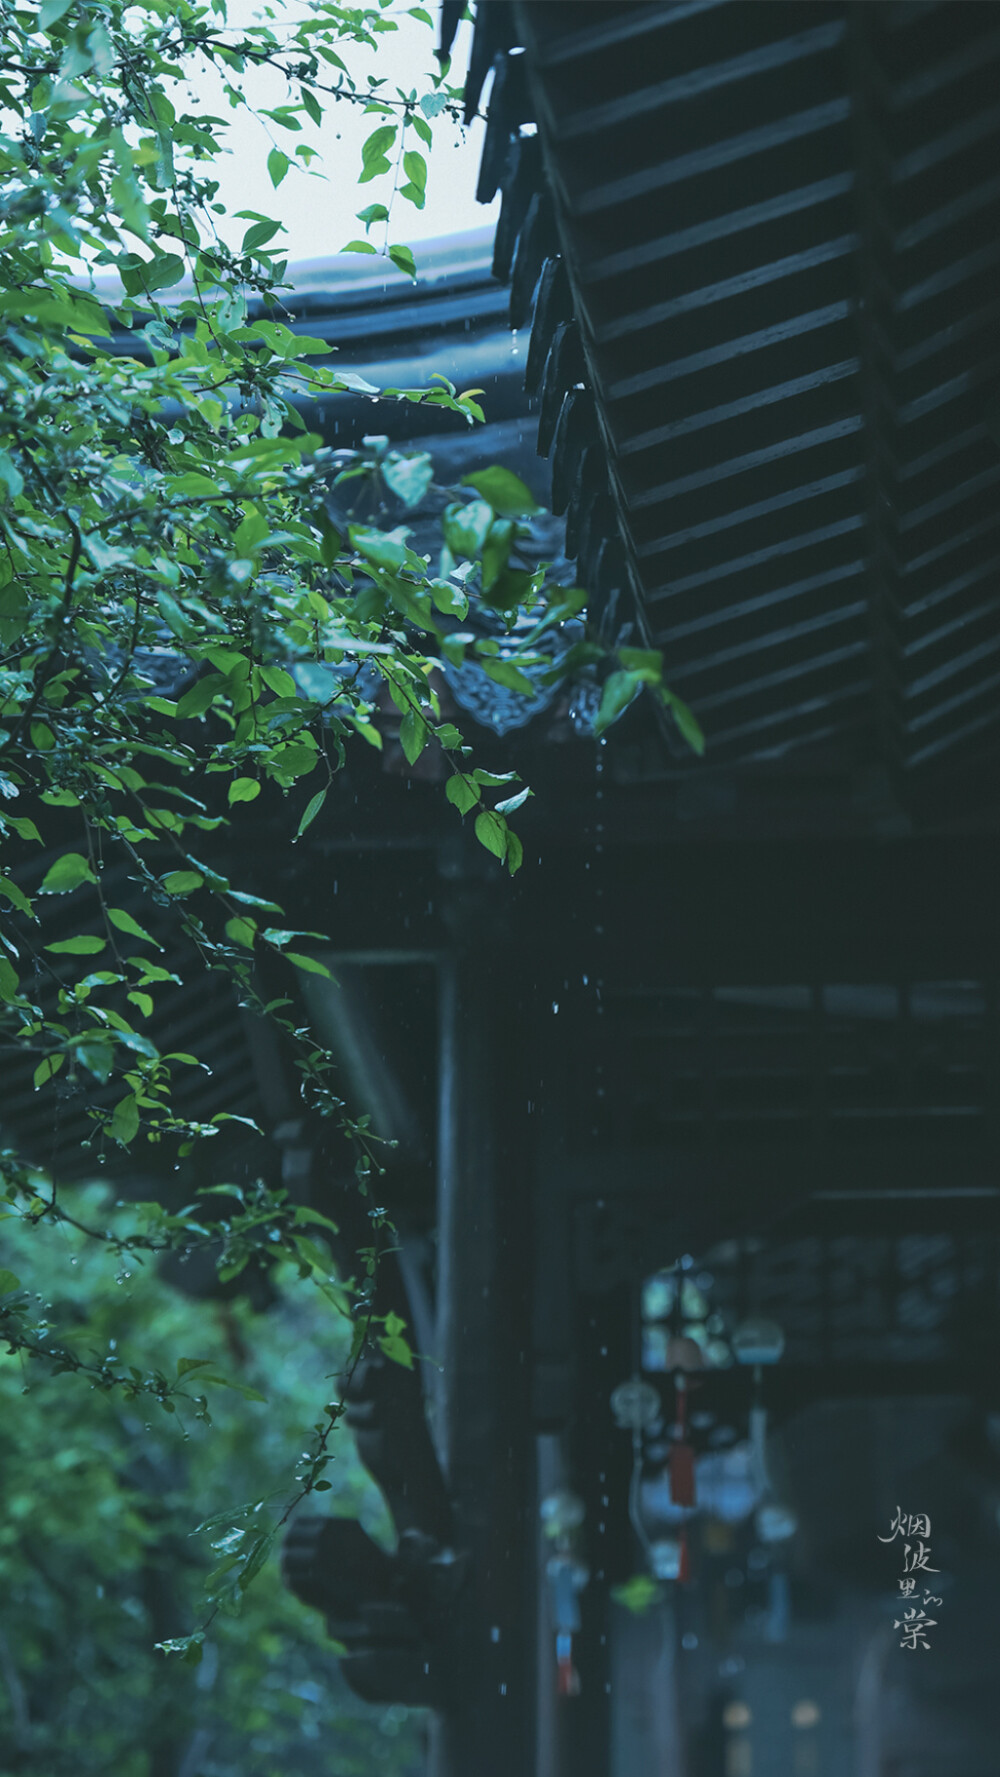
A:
[320,213]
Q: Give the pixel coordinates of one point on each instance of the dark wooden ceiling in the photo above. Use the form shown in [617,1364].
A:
[765,352]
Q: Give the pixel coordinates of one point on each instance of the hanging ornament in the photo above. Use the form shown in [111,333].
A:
[567,1578]
[773,1522]
[665,1558]
[758,1341]
[684,1353]
[681,1460]
[561,1513]
[635,1405]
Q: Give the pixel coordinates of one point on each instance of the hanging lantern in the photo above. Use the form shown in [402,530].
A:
[561,1512]
[684,1353]
[758,1341]
[659,1293]
[775,1523]
[681,1458]
[567,1578]
[635,1405]
[665,1558]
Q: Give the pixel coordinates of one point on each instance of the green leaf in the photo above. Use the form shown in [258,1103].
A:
[403,258]
[124,1125]
[449,599]
[504,672]
[193,483]
[66,874]
[258,233]
[496,551]
[393,1344]
[277,165]
[466,527]
[311,105]
[244,789]
[254,901]
[15,607]
[312,809]
[8,1282]
[258,1553]
[638,1593]
[413,736]
[646,663]
[408,477]
[241,931]
[686,721]
[513,802]
[125,923]
[505,492]
[98,1059]
[381,548]
[24,828]
[461,793]
[311,1254]
[491,832]
[374,153]
[82,946]
[16,897]
[174,618]
[187,1647]
[308,963]
[9,984]
[305,1216]
[372,213]
[620,689]
[47,1068]
[358,247]
[162,271]
[182,882]
[200,697]
[251,532]
[415,168]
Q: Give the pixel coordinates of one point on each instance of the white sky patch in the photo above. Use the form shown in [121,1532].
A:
[319,207]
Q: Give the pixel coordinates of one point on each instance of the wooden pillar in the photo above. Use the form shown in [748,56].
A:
[484,1256]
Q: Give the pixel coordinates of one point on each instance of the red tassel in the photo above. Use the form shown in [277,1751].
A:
[568,1679]
[684,1567]
[682,1406]
[682,1475]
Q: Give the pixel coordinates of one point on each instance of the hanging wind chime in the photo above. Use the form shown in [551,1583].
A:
[562,1514]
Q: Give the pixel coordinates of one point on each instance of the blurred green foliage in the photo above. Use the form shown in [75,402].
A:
[97,1557]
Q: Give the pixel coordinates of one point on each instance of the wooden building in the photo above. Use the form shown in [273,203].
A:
[727,1050]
